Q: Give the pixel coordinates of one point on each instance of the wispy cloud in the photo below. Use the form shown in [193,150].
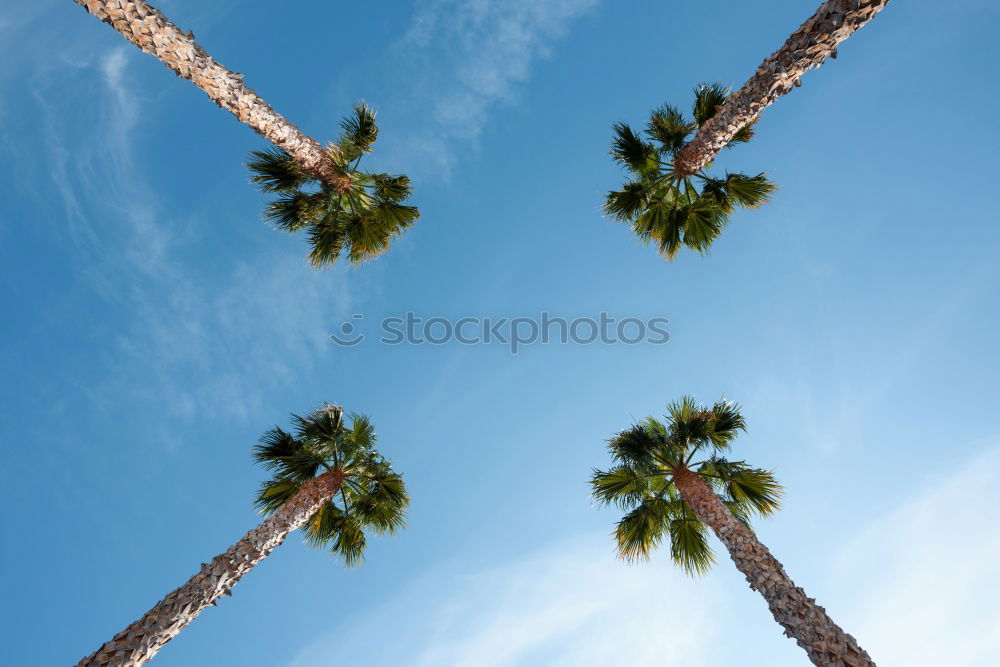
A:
[463,58]
[199,338]
[220,349]
[571,604]
[926,571]
[111,211]
[917,583]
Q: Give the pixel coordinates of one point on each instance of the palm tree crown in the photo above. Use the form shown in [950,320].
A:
[360,220]
[371,497]
[646,457]
[665,206]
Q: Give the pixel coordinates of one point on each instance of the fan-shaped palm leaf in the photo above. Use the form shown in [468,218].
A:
[668,208]
[359,222]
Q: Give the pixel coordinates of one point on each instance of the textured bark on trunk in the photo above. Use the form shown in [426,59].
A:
[147,28]
[139,642]
[808,47]
[825,642]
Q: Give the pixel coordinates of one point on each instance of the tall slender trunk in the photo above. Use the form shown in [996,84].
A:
[143,25]
[139,642]
[808,47]
[825,642]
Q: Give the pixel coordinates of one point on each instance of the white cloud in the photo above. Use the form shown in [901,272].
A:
[463,58]
[571,604]
[220,349]
[919,586]
[200,339]
[926,572]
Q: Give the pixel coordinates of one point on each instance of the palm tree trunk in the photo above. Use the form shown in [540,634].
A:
[139,642]
[144,26]
[825,642]
[808,47]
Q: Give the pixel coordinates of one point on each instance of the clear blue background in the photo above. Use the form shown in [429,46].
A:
[154,326]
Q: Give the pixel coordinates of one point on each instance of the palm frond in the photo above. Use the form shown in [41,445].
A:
[689,546]
[360,128]
[326,238]
[274,447]
[627,203]
[362,432]
[360,222]
[654,220]
[754,490]
[662,204]
[669,230]
[291,211]
[274,170]
[759,489]
[749,191]
[275,493]
[381,507]
[725,424]
[393,189]
[708,98]
[704,220]
[669,127]
[325,423]
[622,485]
[349,540]
[394,217]
[716,189]
[635,445]
[629,150]
[366,237]
[303,465]
[683,409]
[321,528]
[640,531]
[372,495]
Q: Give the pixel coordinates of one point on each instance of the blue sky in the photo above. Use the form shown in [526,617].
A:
[155,326]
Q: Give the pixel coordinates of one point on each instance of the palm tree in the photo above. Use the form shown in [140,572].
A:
[666,206]
[808,47]
[359,221]
[668,494]
[144,25]
[327,478]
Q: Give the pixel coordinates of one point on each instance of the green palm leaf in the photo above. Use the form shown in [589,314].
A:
[708,98]
[360,222]
[628,149]
[275,493]
[668,208]
[623,485]
[669,128]
[725,423]
[749,191]
[640,531]
[689,543]
[327,239]
[371,497]
[274,447]
[393,189]
[703,222]
[647,456]
[360,129]
[635,445]
[381,506]
[629,202]
[349,540]
[274,170]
